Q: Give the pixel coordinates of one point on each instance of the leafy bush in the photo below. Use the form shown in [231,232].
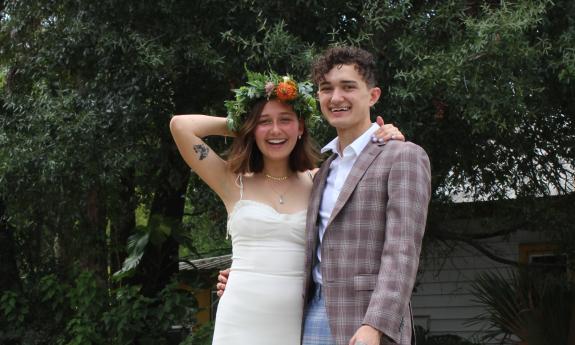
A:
[85,312]
[35,315]
[14,311]
[532,305]
[201,336]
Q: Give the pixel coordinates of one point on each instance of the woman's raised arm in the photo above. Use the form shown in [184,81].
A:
[188,131]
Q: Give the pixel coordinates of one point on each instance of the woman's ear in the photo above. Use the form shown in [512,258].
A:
[301,126]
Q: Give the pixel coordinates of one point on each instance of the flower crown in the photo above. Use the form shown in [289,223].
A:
[271,86]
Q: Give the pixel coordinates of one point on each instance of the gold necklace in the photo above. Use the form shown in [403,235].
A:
[281,199]
[275,178]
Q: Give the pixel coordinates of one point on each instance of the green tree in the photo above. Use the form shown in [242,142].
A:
[88,88]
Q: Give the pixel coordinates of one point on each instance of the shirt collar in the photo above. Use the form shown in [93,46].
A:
[356,146]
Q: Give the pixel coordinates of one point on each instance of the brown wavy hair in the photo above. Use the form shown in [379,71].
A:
[363,61]
[245,156]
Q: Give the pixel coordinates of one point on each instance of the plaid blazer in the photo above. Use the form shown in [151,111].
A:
[371,246]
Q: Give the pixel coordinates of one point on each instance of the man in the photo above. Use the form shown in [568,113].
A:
[366,216]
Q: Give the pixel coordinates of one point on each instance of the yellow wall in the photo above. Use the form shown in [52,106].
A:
[204,305]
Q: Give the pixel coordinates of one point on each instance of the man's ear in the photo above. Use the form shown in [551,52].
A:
[375,93]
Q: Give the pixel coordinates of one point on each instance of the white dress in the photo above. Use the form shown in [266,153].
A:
[263,301]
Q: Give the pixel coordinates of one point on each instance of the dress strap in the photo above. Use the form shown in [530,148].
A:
[240,183]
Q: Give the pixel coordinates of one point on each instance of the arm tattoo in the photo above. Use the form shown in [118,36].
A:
[201,150]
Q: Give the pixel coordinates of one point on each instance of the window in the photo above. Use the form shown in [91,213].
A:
[543,254]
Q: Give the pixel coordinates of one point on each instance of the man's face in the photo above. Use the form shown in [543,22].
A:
[345,98]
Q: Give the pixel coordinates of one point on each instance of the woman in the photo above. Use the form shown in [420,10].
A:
[265,186]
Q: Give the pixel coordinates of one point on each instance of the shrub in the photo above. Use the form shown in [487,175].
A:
[85,312]
[532,305]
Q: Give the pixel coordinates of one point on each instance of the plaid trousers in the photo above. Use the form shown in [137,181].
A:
[316,329]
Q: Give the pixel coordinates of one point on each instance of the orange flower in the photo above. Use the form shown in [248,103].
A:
[286,90]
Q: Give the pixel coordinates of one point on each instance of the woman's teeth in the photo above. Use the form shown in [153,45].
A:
[277,141]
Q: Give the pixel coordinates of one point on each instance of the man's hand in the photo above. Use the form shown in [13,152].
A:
[366,335]
[222,281]
[386,132]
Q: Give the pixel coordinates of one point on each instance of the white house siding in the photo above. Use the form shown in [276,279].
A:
[441,302]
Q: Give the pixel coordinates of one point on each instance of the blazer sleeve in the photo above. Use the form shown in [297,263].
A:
[409,190]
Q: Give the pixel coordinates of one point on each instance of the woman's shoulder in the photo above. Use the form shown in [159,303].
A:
[309,174]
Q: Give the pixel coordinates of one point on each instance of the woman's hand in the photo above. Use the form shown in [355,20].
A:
[386,132]
[222,281]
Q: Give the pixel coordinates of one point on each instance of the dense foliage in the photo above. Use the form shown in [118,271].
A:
[87,89]
[532,306]
[53,312]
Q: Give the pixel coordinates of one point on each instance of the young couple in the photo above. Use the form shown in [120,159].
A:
[324,256]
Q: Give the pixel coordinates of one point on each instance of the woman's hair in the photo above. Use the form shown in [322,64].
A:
[245,156]
[363,61]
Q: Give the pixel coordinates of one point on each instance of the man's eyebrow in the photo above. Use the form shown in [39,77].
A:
[345,82]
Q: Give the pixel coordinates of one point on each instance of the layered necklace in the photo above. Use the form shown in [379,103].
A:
[274,180]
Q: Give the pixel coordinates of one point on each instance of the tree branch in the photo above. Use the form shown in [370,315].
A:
[472,241]
[449,236]
[502,232]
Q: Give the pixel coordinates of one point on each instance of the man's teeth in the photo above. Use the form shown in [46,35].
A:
[340,109]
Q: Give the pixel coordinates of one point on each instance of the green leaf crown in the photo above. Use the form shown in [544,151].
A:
[271,86]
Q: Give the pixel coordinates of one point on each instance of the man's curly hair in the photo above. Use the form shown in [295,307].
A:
[363,61]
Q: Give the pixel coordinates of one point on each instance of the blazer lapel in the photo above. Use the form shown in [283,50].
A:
[317,191]
[359,168]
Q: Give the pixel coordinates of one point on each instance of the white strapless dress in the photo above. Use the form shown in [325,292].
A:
[263,301]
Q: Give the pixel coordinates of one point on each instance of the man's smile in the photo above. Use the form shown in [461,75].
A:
[338,109]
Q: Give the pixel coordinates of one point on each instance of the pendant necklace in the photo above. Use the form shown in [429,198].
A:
[274,179]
